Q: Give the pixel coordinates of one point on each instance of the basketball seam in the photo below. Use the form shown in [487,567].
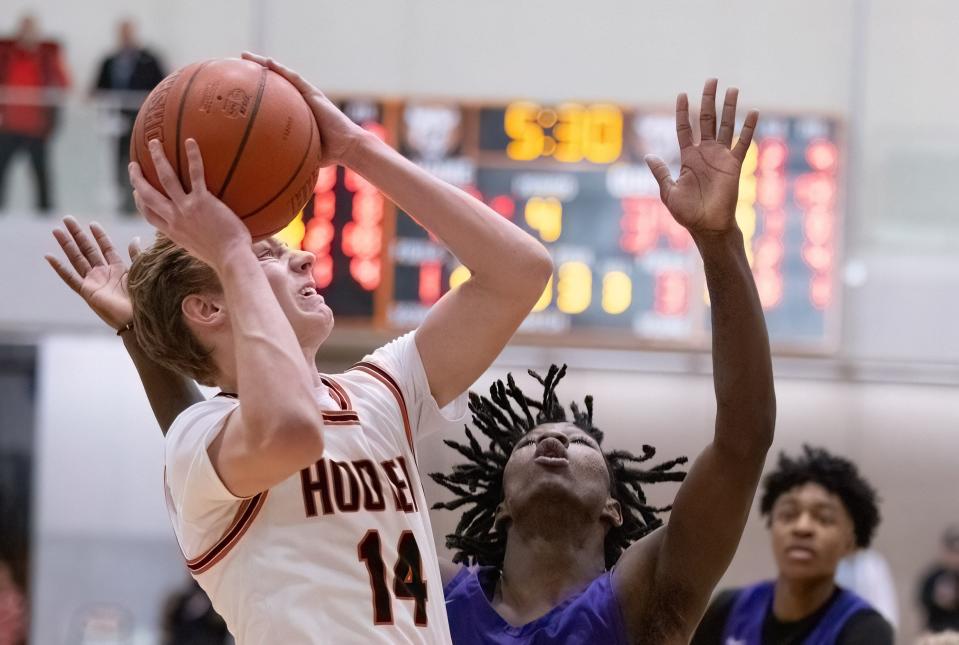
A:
[295,174]
[246,134]
[179,121]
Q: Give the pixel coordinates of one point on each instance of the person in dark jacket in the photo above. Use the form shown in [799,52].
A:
[125,78]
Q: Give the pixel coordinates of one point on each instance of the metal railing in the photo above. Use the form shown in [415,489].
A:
[81,153]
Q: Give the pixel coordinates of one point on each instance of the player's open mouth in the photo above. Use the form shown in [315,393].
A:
[308,292]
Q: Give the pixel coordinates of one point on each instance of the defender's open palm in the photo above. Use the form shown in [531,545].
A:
[703,198]
[99,274]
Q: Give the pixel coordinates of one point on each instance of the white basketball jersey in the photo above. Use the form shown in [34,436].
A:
[341,552]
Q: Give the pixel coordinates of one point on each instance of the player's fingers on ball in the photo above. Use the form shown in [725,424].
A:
[195,163]
[72,251]
[256,58]
[105,243]
[165,173]
[142,187]
[298,81]
[152,218]
[89,249]
[72,279]
[149,213]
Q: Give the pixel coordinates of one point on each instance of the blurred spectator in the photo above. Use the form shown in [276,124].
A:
[939,589]
[126,77]
[32,74]
[189,619]
[866,573]
[13,609]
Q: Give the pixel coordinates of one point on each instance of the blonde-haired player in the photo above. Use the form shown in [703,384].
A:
[295,496]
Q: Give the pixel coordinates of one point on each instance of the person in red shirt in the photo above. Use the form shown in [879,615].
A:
[31,75]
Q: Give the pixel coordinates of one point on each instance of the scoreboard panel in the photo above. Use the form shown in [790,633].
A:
[573,176]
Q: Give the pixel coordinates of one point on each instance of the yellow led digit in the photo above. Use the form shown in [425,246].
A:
[545,214]
[617,292]
[546,298]
[575,288]
[746,219]
[745,208]
[520,125]
[460,275]
[751,160]
[604,133]
[569,131]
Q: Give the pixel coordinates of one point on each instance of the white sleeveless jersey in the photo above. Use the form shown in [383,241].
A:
[341,552]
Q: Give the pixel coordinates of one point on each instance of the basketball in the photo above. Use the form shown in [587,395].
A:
[259,140]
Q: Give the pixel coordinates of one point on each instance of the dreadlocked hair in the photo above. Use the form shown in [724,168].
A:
[504,418]
[837,475]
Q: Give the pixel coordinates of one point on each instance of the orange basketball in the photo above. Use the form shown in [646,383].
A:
[259,140]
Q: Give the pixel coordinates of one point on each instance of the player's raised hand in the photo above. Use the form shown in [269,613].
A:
[338,134]
[99,274]
[703,197]
[196,220]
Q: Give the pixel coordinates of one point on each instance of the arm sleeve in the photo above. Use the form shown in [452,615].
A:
[867,628]
[401,359]
[710,630]
[196,492]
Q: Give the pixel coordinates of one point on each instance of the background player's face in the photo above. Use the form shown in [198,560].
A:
[811,532]
[559,464]
[290,275]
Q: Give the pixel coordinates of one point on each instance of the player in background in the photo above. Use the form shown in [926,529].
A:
[553,522]
[294,495]
[818,509]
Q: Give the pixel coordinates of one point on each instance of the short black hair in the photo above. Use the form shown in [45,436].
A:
[837,475]
[477,538]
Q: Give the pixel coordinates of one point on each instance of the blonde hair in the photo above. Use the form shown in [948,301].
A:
[159,280]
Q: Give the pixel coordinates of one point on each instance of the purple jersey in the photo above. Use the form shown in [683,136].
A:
[592,616]
[745,623]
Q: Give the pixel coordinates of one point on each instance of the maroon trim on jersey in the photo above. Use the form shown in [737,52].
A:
[384,377]
[340,418]
[244,517]
[338,392]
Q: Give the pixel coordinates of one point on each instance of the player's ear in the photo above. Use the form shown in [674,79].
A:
[503,517]
[612,512]
[206,310]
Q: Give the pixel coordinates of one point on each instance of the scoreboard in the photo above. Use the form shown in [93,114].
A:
[572,175]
